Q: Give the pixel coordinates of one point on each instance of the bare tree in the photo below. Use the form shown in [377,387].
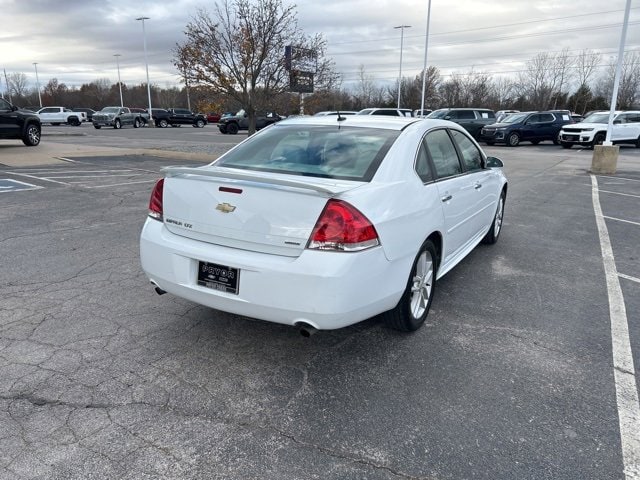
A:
[629,88]
[18,84]
[562,65]
[368,93]
[240,51]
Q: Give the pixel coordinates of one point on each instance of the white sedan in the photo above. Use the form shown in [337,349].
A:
[322,222]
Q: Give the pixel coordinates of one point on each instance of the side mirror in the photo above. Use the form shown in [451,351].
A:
[448,117]
[493,162]
[617,122]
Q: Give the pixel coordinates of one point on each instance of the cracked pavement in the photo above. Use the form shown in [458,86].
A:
[100,378]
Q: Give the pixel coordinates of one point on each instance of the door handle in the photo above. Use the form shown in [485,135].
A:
[446,198]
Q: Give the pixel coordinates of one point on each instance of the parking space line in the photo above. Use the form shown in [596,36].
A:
[620,178]
[618,193]
[629,277]
[36,178]
[118,184]
[623,367]
[620,220]
[100,176]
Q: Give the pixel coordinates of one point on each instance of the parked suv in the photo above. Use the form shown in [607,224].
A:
[534,127]
[392,112]
[472,119]
[182,116]
[19,124]
[593,130]
[240,121]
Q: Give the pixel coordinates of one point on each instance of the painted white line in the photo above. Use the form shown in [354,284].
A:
[118,184]
[37,178]
[618,193]
[629,277]
[621,220]
[66,159]
[620,178]
[623,368]
[108,175]
[58,170]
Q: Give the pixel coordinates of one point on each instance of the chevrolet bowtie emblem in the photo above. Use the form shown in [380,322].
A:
[225,207]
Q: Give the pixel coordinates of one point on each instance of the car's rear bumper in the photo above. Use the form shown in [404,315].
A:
[327,290]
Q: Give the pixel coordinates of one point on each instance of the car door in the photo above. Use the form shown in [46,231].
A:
[627,126]
[9,124]
[455,189]
[485,184]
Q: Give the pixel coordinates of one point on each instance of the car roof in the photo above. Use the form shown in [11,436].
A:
[370,121]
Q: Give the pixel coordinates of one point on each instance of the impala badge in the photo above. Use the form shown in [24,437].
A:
[225,207]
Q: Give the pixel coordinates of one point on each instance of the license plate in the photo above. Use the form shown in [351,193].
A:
[218,277]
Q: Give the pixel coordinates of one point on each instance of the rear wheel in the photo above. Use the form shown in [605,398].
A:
[200,123]
[32,135]
[232,128]
[74,122]
[162,123]
[513,140]
[117,124]
[136,123]
[412,309]
[496,226]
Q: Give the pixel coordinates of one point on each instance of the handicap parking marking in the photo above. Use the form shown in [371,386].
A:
[10,185]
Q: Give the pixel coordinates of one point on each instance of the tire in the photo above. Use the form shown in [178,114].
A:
[199,123]
[223,130]
[117,124]
[598,139]
[162,123]
[97,127]
[496,226]
[566,145]
[74,122]
[513,140]
[556,140]
[412,309]
[490,143]
[232,128]
[136,123]
[32,135]
[638,142]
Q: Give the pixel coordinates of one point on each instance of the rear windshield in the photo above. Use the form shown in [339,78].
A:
[349,153]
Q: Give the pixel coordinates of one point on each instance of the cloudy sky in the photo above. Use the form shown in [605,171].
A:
[75,40]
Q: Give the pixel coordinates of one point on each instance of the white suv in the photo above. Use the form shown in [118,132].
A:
[593,130]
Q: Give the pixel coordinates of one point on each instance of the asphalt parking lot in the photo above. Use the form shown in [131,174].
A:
[524,370]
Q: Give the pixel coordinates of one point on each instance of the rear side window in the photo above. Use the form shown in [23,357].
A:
[423,169]
[464,115]
[344,153]
[443,154]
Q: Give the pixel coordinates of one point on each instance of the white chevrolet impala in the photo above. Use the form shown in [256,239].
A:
[322,222]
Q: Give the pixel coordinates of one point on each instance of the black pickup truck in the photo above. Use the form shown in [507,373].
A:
[177,117]
[19,124]
[240,121]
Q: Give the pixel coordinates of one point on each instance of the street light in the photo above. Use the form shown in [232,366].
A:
[146,63]
[119,82]
[401,27]
[424,68]
[35,65]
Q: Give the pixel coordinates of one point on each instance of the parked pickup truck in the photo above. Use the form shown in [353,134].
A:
[240,121]
[58,115]
[116,117]
[182,116]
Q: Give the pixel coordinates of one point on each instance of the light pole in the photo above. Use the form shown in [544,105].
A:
[35,65]
[424,68]
[401,27]
[146,63]
[119,82]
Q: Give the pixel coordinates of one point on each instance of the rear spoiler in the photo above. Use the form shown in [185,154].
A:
[257,178]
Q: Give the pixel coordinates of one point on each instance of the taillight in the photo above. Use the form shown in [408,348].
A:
[341,227]
[155,202]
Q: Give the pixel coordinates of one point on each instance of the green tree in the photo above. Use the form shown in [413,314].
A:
[240,52]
